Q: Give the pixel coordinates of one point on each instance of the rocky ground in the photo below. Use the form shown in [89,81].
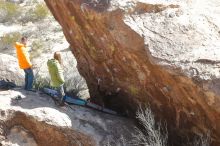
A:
[36,121]
[9,70]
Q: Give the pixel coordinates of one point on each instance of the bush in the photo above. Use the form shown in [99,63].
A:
[9,11]
[37,49]
[40,83]
[7,41]
[38,13]
[152,134]
[74,85]
[117,142]
[203,140]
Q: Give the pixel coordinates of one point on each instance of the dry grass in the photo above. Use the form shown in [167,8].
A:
[152,134]
[38,13]
[38,48]
[9,11]
[203,140]
[8,40]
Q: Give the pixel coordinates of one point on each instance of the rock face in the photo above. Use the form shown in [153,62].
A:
[10,70]
[36,120]
[157,52]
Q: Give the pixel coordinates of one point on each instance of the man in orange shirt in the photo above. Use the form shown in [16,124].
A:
[24,62]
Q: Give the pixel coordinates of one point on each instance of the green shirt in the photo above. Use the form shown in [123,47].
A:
[56,73]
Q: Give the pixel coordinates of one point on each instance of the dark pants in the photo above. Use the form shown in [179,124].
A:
[29,78]
[61,93]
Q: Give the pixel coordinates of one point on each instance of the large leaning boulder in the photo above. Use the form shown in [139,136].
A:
[9,69]
[162,53]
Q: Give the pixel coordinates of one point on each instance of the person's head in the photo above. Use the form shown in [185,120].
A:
[24,40]
[57,56]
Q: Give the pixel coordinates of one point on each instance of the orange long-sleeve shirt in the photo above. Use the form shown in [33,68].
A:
[23,56]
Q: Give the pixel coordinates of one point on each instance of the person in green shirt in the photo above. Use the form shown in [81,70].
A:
[56,75]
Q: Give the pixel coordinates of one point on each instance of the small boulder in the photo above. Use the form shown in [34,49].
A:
[9,69]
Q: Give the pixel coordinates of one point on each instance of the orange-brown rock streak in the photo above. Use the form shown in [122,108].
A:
[107,49]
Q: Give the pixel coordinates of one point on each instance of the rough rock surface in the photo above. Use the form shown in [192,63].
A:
[158,52]
[37,120]
[19,136]
[9,69]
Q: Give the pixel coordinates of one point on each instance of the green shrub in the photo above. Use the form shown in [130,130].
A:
[9,11]
[38,13]
[74,84]
[7,41]
[40,83]
[37,48]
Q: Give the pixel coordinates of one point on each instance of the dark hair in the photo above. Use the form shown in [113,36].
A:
[23,38]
